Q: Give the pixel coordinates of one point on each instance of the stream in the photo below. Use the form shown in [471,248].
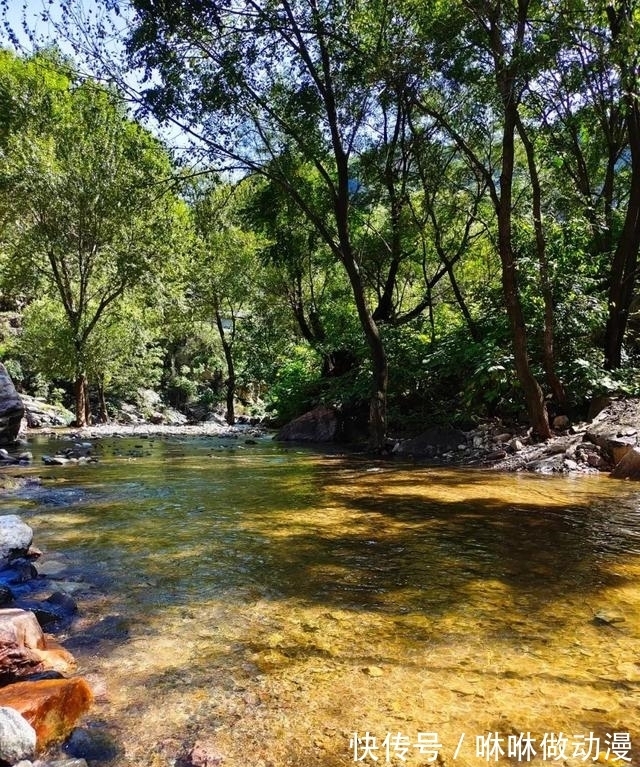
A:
[288,607]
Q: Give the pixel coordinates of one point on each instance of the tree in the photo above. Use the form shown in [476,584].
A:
[261,76]
[223,273]
[88,190]
[497,55]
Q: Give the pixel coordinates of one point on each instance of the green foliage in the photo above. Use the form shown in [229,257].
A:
[295,387]
[90,218]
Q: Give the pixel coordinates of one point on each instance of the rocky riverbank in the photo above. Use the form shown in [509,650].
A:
[41,696]
[607,442]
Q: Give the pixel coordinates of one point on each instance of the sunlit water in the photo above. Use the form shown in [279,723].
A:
[273,602]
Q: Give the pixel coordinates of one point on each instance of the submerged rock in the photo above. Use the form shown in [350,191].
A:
[202,754]
[91,743]
[51,706]
[17,736]
[6,595]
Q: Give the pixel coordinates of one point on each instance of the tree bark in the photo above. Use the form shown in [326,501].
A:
[379,367]
[82,399]
[625,259]
[103,415]
[548,353]
[230,383]
[505,78]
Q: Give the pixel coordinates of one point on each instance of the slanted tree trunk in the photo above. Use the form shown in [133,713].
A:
[505,79]
[548,353]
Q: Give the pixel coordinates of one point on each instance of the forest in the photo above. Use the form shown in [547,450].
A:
[414,211]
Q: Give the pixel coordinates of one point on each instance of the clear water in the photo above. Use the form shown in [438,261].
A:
[273,602]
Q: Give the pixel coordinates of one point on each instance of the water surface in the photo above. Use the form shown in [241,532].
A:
[273,602]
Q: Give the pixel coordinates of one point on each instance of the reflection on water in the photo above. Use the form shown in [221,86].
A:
[274,602]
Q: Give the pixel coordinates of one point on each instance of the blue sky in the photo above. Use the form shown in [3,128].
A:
[31,11]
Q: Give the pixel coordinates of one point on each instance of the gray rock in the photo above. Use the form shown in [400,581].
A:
[38,413]
[60,763]
[11,408]
[15,538]
[547,465]
[318,425]
[17,736]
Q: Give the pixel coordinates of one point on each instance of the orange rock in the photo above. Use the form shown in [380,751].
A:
[51,706]
[24,649]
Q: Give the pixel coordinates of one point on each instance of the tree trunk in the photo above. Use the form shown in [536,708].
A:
[230,383]
[548,353]
[532,391]
[103,415]
[379,368]
[625,260]
[82,399]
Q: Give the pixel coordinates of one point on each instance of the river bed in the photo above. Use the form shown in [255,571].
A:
[279,604]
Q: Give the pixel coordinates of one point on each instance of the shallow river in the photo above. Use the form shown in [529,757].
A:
[278,605]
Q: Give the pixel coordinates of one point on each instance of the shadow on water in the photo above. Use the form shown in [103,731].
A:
[281,527]
[285,574]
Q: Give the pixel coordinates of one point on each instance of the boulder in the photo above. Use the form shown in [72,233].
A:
[17,736]
[629,466]
[15,538]
[25,649]
[51,706]
[432,442]
[616,429]
[11,408]
[38,413]
[318,425]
